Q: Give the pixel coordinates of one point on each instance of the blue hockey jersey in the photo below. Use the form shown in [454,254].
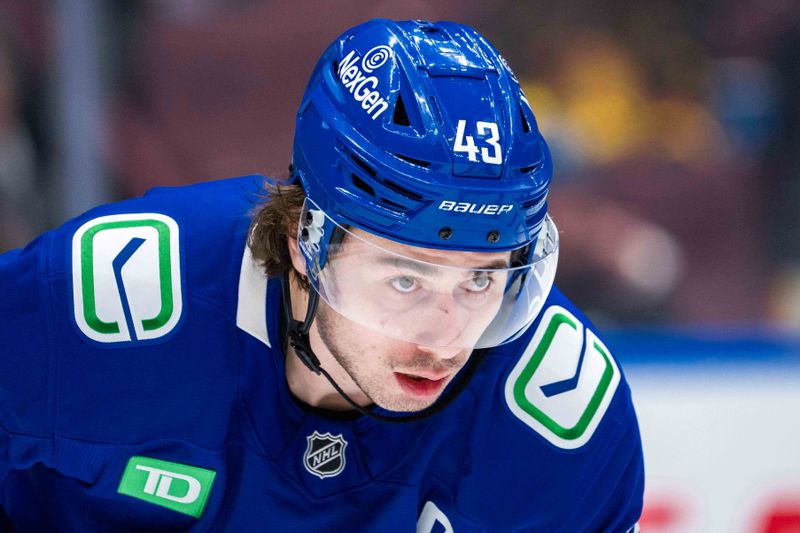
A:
[142,388]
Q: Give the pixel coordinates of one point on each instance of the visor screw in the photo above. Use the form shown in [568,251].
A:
[493,236]
[445,233]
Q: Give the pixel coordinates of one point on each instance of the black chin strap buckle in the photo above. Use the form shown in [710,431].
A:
[297,331]
[302,346]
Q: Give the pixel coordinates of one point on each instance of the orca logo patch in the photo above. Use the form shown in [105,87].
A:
[564,382]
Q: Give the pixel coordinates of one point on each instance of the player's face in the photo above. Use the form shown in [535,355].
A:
[445,311]
[426,297]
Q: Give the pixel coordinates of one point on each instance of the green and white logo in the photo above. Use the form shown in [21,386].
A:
[563,384]
[126,280]
[182,488]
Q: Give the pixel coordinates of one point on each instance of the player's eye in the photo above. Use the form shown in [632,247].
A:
[480,282]
[404,284]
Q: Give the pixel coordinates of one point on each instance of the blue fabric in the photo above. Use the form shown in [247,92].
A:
[210,395]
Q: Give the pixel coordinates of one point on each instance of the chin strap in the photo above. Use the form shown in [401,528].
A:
[297,336]
[296,331]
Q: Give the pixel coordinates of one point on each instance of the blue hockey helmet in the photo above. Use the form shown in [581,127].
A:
[419,133]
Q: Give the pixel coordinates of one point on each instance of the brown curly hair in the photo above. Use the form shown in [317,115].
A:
[273,223]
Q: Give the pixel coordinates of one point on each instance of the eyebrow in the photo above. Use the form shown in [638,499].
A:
[430,270]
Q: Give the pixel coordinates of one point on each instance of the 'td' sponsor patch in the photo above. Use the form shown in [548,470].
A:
[176,486]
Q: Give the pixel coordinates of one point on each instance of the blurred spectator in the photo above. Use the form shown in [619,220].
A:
[760,43]
[20,203]
[782,175]
[654,204]
[674,128]
[214,86]
[25,203]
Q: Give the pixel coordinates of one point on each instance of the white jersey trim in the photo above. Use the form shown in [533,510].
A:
[251,308]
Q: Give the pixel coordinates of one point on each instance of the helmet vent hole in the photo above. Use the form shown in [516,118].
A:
[363,164]
[411,195]
[335,67]
[534,220]
[413,161]
[362,185]
[526,127]
[533,201]
[526,170]
[400,114]
[394,205]
[432,32]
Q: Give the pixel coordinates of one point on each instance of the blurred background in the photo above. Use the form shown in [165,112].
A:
[675,131]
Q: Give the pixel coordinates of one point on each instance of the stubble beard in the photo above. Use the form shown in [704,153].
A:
[347,354]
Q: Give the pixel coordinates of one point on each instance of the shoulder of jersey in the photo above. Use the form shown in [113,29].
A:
[553,424]
[138,313]
[132,265]
[560,382]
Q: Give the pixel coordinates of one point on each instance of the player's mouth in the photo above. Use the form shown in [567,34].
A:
[420,386]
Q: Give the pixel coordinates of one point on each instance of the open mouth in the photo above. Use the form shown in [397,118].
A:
[420,386]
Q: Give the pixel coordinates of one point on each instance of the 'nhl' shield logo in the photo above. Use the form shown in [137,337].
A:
[324,455]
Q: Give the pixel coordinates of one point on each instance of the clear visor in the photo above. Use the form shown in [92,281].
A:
[429,297]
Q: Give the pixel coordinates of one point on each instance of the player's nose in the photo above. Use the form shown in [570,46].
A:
[442,325]
[446,353]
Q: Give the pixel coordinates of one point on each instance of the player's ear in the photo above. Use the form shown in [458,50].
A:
[298,262]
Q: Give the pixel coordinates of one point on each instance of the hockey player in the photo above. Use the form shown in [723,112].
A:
[377,346]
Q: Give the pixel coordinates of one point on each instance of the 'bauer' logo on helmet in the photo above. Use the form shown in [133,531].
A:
[363,87]
[475,209]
